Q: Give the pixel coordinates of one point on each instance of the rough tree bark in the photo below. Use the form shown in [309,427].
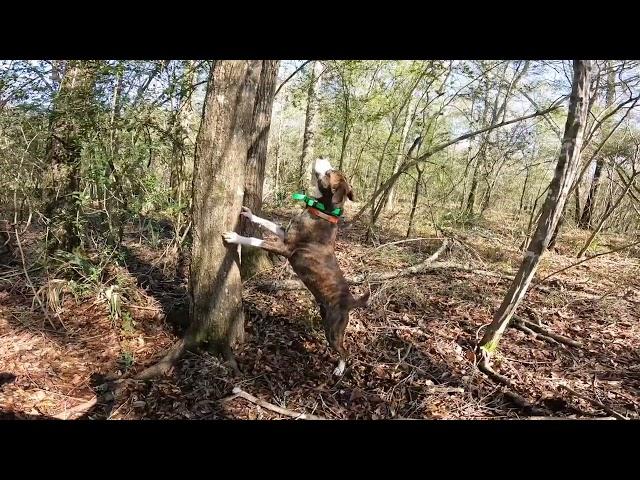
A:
[68,123]
[563,179]
[222,144]
[254,260]
[308,139]
[218,190]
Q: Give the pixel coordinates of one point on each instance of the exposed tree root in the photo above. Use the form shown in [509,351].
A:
[545,334]
[522,327]
[175,353]
[168,361]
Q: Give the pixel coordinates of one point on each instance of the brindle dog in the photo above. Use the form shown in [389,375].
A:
[309,244]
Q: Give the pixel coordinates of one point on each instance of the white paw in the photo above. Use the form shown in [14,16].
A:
[246,212]
[339,369]
[230,237]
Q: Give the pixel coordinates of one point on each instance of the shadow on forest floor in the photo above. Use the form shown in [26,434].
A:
[411,350]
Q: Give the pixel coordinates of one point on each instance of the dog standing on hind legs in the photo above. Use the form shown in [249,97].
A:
[308,244]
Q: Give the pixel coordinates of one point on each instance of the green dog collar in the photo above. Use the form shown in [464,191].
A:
[312,202]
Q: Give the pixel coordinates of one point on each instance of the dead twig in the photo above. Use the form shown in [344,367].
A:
[564,418]
[238,392]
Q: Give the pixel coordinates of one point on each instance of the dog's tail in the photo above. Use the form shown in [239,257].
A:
[360,301]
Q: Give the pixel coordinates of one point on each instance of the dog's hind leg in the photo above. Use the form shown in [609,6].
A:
[335,326]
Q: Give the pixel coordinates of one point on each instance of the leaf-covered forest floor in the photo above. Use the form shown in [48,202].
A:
[411,349]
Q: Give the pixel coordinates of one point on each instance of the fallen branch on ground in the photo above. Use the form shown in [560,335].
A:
[238,392]
[412,270]
[595,402]
[442,389]
[520,326]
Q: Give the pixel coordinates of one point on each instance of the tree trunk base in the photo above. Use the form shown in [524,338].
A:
[164,366]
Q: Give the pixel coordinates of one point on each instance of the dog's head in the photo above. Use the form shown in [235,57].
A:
[330,183]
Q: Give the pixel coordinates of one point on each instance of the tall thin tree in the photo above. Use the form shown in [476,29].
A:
[564,176]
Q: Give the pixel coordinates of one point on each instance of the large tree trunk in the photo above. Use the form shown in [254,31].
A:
[587,214]
[68,123]
[563,179]
[255,260]
[308,139]
[218,189]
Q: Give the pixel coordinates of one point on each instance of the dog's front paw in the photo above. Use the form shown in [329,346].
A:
[246,212]
[230,237]
[339,369]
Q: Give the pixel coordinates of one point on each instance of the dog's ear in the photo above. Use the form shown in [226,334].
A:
[350,195]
